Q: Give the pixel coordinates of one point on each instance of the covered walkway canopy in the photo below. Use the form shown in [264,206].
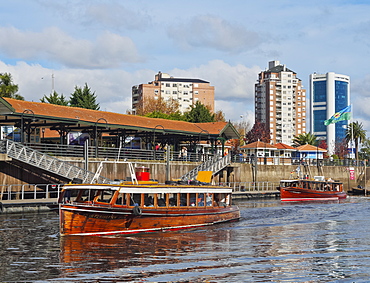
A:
[35,118]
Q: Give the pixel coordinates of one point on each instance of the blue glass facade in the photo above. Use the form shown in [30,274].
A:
[318,122]
[341,98]
[319,91]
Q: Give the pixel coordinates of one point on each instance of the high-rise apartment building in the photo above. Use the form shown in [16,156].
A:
[280,103]
[186,91]
[329,93]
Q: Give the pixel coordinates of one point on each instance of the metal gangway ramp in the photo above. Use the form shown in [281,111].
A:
[48,163]
[215,164]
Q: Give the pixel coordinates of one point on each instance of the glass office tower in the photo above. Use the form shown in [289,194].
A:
[329,93]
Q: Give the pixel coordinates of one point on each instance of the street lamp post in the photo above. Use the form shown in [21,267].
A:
[22,123]
[200,133]
[154,145]
[96,134]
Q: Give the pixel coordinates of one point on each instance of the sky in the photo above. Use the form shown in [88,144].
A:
[114,45]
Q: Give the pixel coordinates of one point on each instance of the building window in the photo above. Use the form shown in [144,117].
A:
[168,85]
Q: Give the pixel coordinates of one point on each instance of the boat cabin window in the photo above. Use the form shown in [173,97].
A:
[70,195]
[184,199]
[193,199]
[172,199]
[200,201]
[149,200]
[104,196]
[209,199]
[223,199]
[135,200]
[121,199]
[87,195]
[161,199]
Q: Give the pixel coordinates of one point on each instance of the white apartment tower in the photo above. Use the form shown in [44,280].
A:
[280,103]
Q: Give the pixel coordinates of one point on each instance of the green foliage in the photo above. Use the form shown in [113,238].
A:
[55,98]
[173,116]
[199,114]
[306,138]
[365,149]
[83,98]
[7,88]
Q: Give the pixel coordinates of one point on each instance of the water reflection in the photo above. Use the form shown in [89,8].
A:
[272,241]
[175,249]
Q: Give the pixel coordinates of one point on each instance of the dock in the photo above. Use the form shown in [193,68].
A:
[256,194]
[26,205]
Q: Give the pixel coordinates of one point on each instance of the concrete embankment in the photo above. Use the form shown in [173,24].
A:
[25,206]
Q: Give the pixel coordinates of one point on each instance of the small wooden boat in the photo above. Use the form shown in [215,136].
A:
[141,207]
[311,190]
[357,191]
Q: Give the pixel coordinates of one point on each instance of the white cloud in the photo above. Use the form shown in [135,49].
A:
[232,83]
[116,16]
[208,31]
[109,50]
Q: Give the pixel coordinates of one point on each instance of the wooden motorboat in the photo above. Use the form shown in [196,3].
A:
[144,206]
[311,190]
[357,191]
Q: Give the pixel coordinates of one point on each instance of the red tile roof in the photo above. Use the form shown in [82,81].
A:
[87,116]
[258,144]
[308,147]
[284,146]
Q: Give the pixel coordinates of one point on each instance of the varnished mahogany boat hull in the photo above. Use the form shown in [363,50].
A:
[300,194]
[97,220]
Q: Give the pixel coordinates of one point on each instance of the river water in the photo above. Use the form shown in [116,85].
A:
[273,242]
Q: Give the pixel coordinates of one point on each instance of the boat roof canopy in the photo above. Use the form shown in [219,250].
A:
[132,189]
[310,181]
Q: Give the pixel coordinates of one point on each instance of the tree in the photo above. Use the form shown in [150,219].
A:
[199,114]
[322,144]
[220,116]
[7,88]
[242,127]
[356,133]
[340,149]
[152,106]
[259,132]
[83,98]
[173,116]
[365,149]
[55,98]
[306,138]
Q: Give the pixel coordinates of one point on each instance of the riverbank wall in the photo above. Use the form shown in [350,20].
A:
[13,172]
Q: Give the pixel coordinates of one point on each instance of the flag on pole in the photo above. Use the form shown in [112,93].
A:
[344,114]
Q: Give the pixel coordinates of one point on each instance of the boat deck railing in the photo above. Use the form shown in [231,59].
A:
[24,192]
[241,187]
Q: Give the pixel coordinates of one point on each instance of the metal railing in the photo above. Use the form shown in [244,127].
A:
[46,162]
[116,153]
[215,165]
[239,187]
[30,191]
[112,153]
